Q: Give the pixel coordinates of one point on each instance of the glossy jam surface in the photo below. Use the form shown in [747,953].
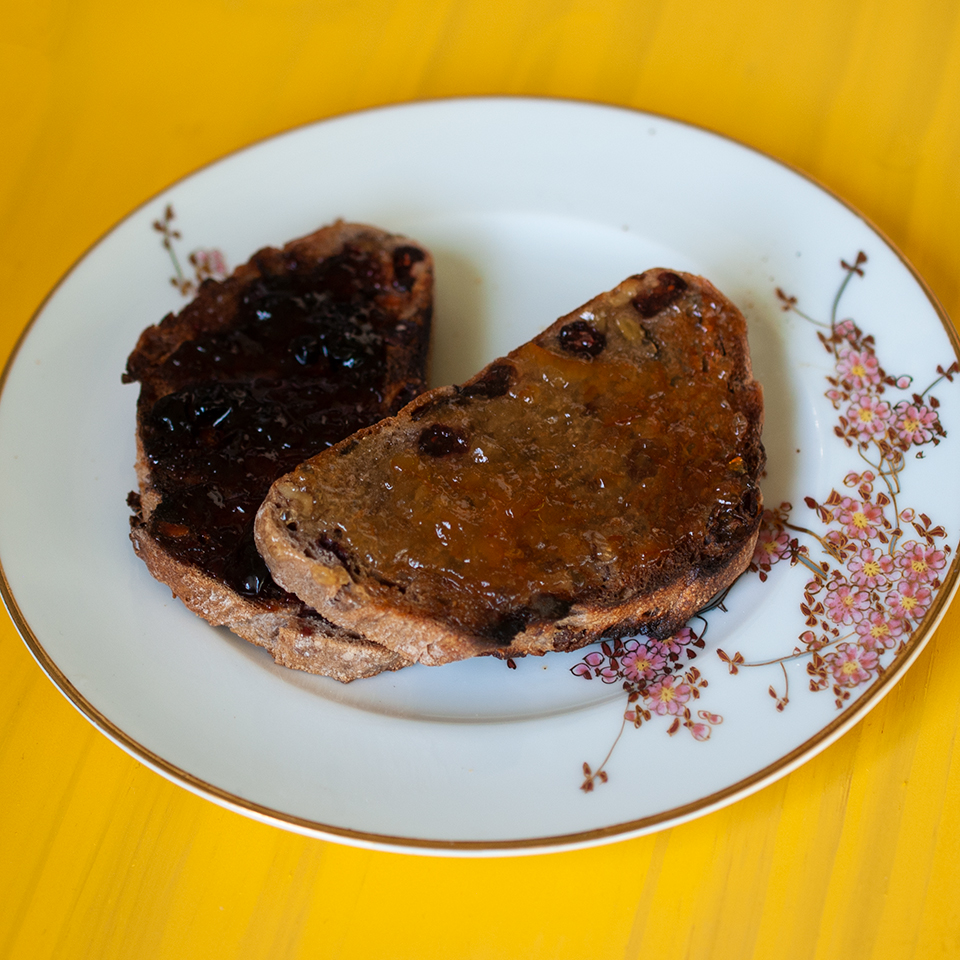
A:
[579,468]
[300,367]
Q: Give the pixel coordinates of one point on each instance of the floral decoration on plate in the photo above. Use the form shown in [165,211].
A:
[874,562]
[208,264]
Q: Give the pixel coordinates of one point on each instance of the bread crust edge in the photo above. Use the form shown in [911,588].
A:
[324,583]
[295,638]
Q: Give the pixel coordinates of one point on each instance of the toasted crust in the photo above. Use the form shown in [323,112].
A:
[295,635]
[691,334]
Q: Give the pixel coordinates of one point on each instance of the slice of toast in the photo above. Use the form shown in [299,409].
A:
[601,480]
[298,349]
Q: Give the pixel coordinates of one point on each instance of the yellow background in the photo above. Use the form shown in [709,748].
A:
[855,855]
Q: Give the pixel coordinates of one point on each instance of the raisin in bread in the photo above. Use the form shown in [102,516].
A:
[298,349]
[600,480]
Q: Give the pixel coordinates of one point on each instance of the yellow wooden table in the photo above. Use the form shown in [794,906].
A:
[856,854]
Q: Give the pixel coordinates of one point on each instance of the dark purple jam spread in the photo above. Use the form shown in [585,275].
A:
[302,365]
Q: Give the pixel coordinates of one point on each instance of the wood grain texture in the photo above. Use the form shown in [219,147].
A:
[855,855]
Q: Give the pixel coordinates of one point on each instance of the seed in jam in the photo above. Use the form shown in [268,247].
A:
[582,338]
[440,440]
[669,288]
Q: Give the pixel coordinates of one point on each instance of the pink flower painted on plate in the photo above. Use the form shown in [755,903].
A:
[914,423]
[859,368]
[854,479]
[920,562]
[870,568]
[668,696]
[209,263]
[586,666]
[851,664]
[771,547]
[910,600]
[846,603]
[839,544]
[868,417]
[870,587]
[676,643]
[860,519]
[700,731]
[879,630]
[641,661]
[846,329]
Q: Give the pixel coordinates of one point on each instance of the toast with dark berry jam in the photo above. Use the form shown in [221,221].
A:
[299,348]
[599,481]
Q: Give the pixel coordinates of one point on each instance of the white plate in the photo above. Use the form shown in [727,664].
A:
[531,208]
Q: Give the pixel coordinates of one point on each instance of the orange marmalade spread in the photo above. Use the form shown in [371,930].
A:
[583,467]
